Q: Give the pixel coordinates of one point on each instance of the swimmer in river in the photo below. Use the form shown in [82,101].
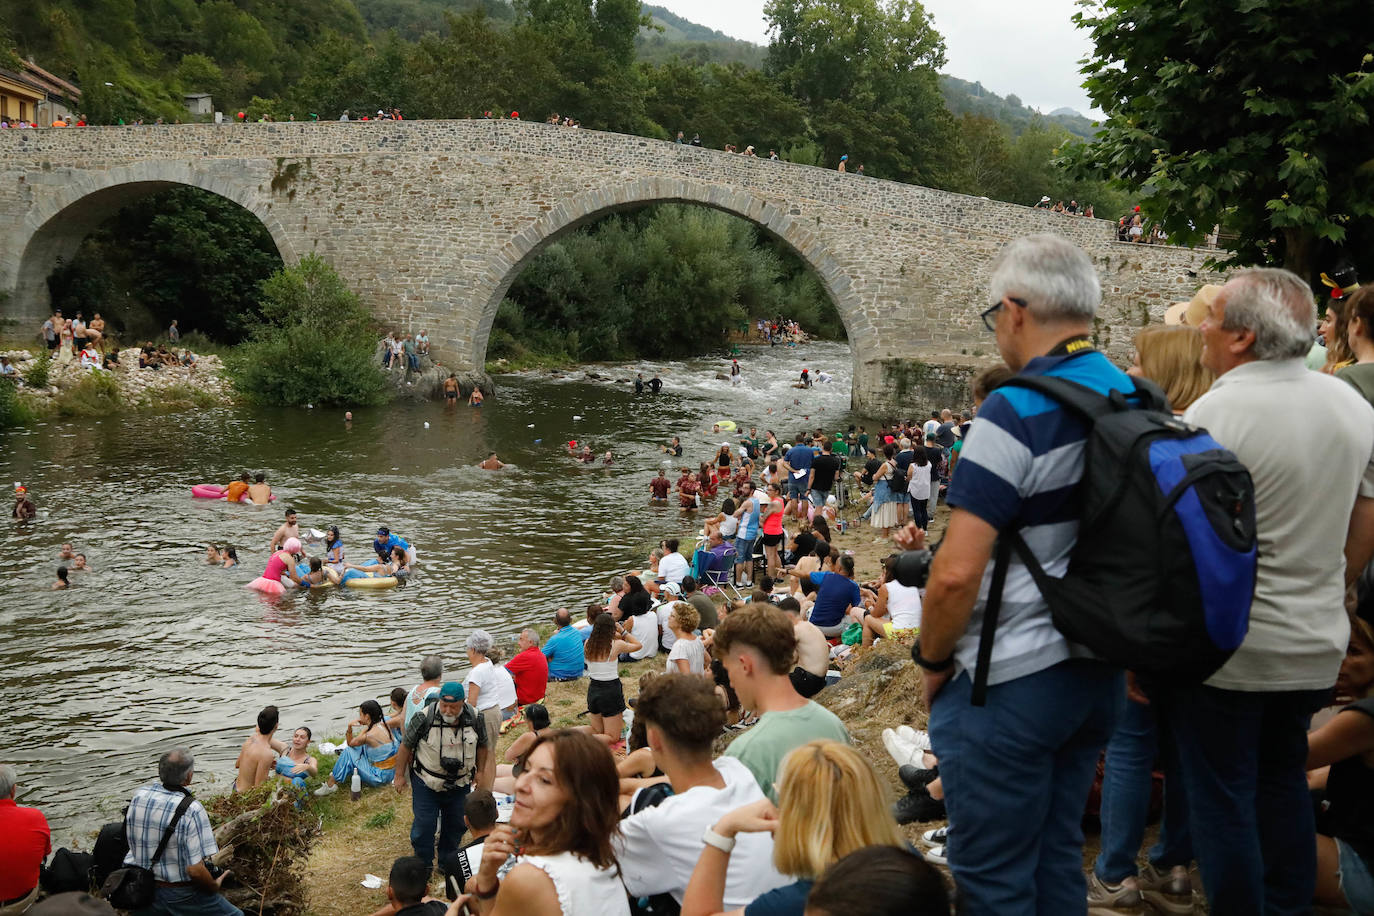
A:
[333,548]
[231,558]
[587,456]
[823,377]
[674,448]
[475,399]
[607,459]
[735,378]
[655,384]
[61,582]
[288,529]
[806,378]
[260,493]
[234,492]
[79,563]
[639,383]
[451,390]
[66,553]
[492,463]
[212,555]
[24,509]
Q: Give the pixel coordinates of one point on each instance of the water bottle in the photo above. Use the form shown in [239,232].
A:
[357,787]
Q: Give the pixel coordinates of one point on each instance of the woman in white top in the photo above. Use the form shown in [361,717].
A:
[554,858]
[483,694]
[688,655]
[605,695]
[897,611]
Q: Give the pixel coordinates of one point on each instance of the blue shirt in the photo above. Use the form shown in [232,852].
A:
[193,841]
[835,594]
[788,900]
[383,548]
[1020,466]
[564,652]
[799,458]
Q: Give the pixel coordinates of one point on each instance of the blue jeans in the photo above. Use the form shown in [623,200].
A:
[1016,773]
[190,901]
[1243,756]
[443,810]
[1126,787]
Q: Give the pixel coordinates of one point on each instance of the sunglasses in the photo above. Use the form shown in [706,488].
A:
[988,313]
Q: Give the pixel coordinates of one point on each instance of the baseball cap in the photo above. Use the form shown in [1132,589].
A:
[383,531]
[452,692]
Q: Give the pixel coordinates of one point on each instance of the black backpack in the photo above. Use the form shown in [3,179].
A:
[110,849]
[1162,576]
[68,871]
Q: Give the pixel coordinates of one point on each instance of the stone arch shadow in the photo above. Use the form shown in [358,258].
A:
[593,204]
[57,223]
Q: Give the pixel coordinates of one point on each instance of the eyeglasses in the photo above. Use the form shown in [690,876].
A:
[988,313]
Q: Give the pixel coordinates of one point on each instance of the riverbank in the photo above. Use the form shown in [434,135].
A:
[66,389]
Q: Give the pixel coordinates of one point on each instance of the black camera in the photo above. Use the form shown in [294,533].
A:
[912,568]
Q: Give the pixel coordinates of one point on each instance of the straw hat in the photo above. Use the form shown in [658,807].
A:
[1192,312]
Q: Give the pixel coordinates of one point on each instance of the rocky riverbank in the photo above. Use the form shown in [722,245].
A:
[71,390]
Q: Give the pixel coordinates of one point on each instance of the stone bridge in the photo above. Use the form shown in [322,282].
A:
[431,221]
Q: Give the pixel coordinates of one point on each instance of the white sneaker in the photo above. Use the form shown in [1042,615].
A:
[326,789]
[913,736]
[936,855]
[902,752]
[935,837]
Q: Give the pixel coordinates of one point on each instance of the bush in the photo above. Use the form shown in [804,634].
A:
[314,345]
[13,410]
[96,395]
[36,376]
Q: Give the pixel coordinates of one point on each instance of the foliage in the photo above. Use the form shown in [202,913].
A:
[96,395]
[181,253]
[1265,128]
[313,345]
[698,272]
[36,375]
[13,410]
[965,98]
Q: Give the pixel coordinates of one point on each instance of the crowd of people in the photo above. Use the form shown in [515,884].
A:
[790,818]
[92,345]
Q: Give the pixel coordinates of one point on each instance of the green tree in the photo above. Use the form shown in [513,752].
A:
[985,154]
[315,344]
[1263,123]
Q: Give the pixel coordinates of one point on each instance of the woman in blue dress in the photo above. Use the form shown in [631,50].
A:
[371,751]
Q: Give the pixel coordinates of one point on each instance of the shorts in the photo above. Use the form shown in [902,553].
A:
[772,540]
[52,344]
[796,488]
[818,497]
[605,698]
[890,631]
[491,723]
[806,683]
[1356,881]
[744,549]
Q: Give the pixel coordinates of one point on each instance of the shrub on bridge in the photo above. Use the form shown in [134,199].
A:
[314,344]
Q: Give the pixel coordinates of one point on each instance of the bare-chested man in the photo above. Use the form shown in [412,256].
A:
[289,529]
[258,491]
[813,652]
[492,463]
[258,756]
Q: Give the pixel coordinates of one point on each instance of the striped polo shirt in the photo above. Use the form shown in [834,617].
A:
[1020,466]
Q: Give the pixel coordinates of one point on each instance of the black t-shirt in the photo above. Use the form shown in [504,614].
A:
[655,384]
[870,468]
[825,467]
[945,434]
[1350,791]
[428,908]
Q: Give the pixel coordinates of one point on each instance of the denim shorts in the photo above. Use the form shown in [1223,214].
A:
[796,488]
[1356,882]
[744,549]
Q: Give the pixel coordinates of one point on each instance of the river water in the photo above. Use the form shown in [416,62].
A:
[154,648]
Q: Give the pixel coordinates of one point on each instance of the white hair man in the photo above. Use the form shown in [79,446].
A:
[25,842]
[1015,840]
[1242,736]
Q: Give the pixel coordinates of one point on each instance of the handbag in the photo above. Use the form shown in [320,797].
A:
[131,887]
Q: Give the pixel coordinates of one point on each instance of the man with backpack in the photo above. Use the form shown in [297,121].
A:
[443,748]
[1242,734]
[1017,769]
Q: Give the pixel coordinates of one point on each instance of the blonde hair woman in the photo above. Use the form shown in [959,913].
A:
[1335,329]
[830,803]
[1171,357]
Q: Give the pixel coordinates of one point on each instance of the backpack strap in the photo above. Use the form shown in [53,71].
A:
[1088,403]
[171,828]
[1007,541]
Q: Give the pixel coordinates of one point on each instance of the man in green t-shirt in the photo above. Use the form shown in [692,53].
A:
[758,647]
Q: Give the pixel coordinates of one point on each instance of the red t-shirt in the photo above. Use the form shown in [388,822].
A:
[25,842]
[530,671]
[660,487]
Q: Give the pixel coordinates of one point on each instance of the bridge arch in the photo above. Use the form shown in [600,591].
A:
[588,206]
[55,226]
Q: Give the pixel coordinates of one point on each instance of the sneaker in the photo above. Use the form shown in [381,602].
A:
[935,837]
[936,855]
[914,777]
[918,806]
[913,736]
[1168,893]
[326,789]
[902,751]
[1108,899]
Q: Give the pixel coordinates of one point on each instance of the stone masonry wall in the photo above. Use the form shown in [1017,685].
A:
[431,221]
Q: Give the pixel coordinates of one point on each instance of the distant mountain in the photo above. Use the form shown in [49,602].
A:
[678,37]
[963,97]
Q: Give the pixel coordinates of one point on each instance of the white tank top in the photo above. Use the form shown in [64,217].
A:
[609,670]
[583,889]
[903,605]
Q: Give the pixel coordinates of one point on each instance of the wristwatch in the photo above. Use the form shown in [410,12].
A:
[936,667]
[723,843]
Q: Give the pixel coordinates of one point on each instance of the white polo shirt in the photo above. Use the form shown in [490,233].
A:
[1308,441]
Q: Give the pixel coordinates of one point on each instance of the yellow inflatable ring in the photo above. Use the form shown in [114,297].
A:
[372,582]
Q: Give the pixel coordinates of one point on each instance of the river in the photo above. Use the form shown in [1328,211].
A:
[154,648]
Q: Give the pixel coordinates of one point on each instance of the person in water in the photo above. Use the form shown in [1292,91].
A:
[659,488]
[492,463]
[385,541]
[212,555]
[231,558]
[79,564]
[288,529]
[61,582]
[281,563]
[258,491]
[315,573]
[237,488]
[333,549]
[587,456]
[655,384]
[475,399]
[396,565]
[639,383]
[451,389]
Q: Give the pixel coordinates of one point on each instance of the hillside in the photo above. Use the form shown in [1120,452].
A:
[673,36]
[963,97]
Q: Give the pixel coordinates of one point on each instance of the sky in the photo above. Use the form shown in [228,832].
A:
[1027,47]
